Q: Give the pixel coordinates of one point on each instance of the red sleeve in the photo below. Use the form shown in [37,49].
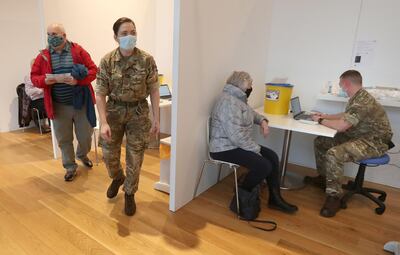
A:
[90,65]
[37,74]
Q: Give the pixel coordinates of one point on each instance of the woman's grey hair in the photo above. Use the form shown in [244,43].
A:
[237,78]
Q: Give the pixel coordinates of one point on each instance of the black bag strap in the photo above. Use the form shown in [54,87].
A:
[270,222]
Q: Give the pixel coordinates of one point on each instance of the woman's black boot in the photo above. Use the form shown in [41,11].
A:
[275,201]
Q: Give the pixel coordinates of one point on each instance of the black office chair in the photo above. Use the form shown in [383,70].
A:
[357,187]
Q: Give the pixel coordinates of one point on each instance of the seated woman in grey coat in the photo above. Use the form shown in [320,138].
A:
[231,139]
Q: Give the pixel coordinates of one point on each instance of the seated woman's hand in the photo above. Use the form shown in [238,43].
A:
[264,128]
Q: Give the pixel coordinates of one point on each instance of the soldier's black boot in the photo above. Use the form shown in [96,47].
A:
[276,201]
[331,206]
[130,205]
[112,190]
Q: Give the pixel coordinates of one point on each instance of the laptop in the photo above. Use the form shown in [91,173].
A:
[298,114]
[165,93]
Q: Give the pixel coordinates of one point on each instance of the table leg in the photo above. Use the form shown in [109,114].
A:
[289,180]
[53,139]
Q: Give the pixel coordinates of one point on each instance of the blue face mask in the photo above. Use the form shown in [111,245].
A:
[342,92]
[54,40]
[127,42]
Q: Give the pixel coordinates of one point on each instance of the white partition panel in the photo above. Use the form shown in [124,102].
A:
[21,36]
[216,37]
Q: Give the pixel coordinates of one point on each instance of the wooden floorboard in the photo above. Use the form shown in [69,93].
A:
[42,214]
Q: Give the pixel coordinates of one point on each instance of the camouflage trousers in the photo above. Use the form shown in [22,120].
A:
[131,120]
[332,153]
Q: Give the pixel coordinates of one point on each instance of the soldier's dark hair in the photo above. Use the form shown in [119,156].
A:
[119,22]
[353,75]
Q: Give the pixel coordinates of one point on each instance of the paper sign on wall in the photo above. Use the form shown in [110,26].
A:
[363,53]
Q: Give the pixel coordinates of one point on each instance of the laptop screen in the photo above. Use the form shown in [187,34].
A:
[164,91]
[295,105]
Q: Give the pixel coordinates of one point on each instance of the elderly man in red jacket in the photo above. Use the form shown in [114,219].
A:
[65,71]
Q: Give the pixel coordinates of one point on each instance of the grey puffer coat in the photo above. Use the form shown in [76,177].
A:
[232,121]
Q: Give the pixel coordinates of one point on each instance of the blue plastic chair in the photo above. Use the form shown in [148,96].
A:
[356,187]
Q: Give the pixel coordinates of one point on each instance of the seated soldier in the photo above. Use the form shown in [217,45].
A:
[363,132]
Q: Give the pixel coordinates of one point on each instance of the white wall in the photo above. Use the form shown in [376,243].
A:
[164,38]
[20,29]
[88,23]
[216,37]
[380,21]
[91,25]
[312,42]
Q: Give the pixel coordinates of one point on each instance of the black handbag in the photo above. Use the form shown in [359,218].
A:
[249,205]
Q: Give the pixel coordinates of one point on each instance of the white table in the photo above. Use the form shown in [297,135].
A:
[292,180]
[163,183]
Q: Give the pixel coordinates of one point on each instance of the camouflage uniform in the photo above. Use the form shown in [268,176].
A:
[127,81]
[368,137]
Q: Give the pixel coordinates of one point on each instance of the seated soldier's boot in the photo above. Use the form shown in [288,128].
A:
[130,205]
[276,201]
[112,190]
[331,206]
[318,181]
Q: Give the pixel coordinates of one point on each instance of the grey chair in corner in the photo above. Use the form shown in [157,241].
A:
[219,163]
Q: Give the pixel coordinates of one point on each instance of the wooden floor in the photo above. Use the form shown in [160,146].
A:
[42,214]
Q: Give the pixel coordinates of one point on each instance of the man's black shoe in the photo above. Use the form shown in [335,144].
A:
[86,161]
[69,175]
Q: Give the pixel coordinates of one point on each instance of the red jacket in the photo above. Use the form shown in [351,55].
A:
[42,66]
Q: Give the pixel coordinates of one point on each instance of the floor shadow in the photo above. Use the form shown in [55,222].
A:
[122,221]
[154,218]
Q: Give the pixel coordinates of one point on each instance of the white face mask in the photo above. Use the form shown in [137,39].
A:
[127,42]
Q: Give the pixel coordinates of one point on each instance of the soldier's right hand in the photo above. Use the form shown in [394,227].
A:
[105,132]
[318,115]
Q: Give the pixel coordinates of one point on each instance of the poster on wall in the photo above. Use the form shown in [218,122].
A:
[364,53]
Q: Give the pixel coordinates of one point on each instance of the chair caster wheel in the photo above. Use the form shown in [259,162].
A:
[380,210]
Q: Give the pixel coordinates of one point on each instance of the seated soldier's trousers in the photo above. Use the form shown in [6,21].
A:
[332,153]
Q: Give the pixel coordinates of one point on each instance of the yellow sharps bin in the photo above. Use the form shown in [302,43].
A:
[277,98]
[160,79]
[165,148]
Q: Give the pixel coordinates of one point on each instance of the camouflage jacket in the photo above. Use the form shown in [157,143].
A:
[368,119]
[127,79]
